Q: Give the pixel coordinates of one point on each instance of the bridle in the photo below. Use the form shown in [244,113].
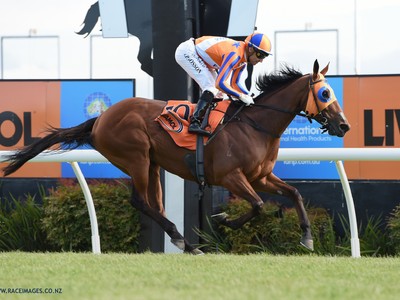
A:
[308,115]
[319,117]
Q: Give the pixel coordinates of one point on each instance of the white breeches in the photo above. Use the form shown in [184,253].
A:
[187,57]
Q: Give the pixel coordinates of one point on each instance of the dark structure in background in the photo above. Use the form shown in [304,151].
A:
[171,26]
[139,19]
[214,17]
[194,17]
[214,20]
[174,22]
[161,25]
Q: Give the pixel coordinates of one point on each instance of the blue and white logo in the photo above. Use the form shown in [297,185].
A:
[95,104]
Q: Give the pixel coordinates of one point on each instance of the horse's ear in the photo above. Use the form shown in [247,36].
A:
[325,70]
[315,70]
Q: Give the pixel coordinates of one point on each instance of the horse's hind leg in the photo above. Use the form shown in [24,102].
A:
[147,198]
[154,189]
[272,184]
[138,202]
[154,193]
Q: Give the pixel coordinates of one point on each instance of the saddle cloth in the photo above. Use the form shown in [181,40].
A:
[175,119]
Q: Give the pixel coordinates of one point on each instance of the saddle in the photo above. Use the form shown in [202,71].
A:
[175,119]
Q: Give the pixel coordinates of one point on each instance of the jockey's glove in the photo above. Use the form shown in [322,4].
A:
[246,99]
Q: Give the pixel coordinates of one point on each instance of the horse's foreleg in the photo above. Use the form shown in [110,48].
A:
[223,219]
[237,184]
[273,184]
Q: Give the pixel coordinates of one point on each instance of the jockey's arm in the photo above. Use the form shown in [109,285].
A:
[238,78]
[228,74]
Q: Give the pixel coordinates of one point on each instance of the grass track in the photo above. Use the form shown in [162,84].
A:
[177,276]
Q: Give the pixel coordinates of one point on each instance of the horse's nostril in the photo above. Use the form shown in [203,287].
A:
[344,127]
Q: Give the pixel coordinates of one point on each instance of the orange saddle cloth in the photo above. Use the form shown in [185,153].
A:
[175,119]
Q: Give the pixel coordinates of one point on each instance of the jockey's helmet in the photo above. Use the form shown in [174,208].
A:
[260,42]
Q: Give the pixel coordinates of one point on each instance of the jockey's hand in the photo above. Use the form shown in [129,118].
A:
[246,99]
[219,95]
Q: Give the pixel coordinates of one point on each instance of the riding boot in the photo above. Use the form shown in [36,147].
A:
[201,108]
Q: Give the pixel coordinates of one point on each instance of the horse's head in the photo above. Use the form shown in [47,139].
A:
[323,106]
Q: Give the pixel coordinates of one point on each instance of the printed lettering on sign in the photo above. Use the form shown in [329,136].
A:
[15,129]
[26,107]
[391,124]
[372,107]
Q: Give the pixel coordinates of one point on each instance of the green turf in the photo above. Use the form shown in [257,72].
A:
[176,276]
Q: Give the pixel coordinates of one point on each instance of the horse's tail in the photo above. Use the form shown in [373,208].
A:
[66,138]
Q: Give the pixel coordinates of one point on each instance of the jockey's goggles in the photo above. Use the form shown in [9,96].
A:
[259,54]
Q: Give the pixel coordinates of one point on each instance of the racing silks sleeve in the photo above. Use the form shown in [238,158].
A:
[236,79]
[229,67]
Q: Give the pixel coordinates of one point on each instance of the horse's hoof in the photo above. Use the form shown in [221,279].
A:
[197,251]
[221,217]
[307,243]
[179,243]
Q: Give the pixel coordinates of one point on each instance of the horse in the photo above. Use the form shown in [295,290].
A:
[240,157]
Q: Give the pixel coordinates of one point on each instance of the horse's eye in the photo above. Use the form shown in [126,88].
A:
[324,94]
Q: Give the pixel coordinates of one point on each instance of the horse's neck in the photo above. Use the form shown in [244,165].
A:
[291,98]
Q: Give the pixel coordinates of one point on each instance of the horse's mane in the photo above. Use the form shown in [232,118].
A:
[270,82]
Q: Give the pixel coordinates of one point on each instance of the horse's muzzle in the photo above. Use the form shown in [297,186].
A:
[336,125]
[341,130]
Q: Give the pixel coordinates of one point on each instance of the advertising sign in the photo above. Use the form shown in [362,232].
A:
[372,105]
[83,100]
[28,107]
[25,108]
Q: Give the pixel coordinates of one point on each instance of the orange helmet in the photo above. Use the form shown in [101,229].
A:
[260,42]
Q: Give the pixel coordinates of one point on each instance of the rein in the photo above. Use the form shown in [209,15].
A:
[304,115]
[282,110]
[225,123]
[311,117]
[252,123]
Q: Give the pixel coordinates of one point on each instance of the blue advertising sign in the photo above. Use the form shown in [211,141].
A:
[82,100]
[303,134]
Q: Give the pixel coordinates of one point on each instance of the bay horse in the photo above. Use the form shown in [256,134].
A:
[241,157]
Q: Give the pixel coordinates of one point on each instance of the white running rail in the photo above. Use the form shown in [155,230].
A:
[285,154]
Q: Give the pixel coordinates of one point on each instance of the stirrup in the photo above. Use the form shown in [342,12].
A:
[195,128]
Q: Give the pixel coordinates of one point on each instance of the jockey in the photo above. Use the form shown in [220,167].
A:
[216,64]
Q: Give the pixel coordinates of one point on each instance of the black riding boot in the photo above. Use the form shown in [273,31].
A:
[201,108]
